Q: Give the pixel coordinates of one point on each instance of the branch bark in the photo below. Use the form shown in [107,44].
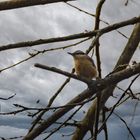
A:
[98,60]
[7,5]
[53,69]
[95,87]
[124,59]
[71,37]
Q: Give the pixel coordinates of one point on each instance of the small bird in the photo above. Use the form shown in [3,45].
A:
[84,65]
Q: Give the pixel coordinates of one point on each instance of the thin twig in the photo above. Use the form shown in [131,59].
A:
[24,60]
[113,108]
[133,115]
[81,10]
[50,103]
[93,43]
[45,109]
[8,97]
[70,117]
[32,55]
[126,125]
[69,124]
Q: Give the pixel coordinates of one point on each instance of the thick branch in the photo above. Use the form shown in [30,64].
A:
[96,86]
[97,23]
[6,5]
[71,37]
[98,60]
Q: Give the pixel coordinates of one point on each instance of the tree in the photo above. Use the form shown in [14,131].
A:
[98,91]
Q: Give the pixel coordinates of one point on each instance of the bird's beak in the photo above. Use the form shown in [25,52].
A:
[70,53]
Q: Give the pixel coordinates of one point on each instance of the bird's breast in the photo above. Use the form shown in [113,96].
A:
[85,68]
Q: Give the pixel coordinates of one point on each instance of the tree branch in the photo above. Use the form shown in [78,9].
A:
[71,37]
[95,87]
[41,113]
[53,69]
[126,126]
[125,58]
[98,60]
[7,5]
[81,10]
[34,54]
[7,98]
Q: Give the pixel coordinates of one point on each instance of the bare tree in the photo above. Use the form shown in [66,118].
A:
[98,91]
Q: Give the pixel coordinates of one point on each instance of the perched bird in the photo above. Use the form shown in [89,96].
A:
[84,65]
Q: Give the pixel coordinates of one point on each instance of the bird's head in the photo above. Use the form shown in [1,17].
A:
[77,53]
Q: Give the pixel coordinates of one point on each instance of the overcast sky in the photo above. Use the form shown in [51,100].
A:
[31,84]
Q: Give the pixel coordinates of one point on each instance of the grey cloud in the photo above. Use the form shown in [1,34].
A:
[8,131]
[15,121]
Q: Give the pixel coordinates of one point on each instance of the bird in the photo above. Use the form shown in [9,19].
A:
[84,65]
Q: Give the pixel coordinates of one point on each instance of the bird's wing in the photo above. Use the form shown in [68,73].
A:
[91,60]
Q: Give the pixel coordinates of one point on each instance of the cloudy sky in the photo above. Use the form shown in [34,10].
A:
[31,84]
